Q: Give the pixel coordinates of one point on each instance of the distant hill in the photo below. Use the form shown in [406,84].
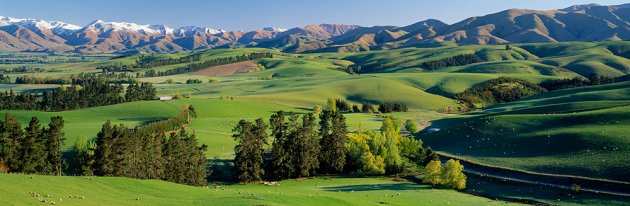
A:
[585,23]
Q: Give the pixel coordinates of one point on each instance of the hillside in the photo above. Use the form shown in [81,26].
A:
[574,132]
[125,191]
[586,23]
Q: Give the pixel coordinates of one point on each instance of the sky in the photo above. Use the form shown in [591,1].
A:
[245,15]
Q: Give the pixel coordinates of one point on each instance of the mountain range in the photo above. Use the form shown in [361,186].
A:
[586,23]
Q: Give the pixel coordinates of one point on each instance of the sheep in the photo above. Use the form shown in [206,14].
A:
[138,198]
[52,203]
[60,200]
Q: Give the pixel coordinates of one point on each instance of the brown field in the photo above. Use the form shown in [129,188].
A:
[228,69]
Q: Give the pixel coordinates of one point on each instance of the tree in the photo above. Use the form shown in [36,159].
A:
[104,164]
[54,137]
[331,105]
[317,110]
[508,47]
[32,151]
[411,126]
[361,157]
[333,150]
[281,158]
[306,147]
[452,175]
[83,153]
[13,135]
[248,159]
[432,173]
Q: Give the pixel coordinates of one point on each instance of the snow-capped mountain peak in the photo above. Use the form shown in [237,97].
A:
[104,27]
[275,29]
[193,30]
[56,26]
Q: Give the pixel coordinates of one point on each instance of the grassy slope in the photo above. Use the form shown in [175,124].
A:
[124,191]
[579,131]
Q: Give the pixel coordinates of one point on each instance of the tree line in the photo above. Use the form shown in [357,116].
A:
[459,60]
[110,77]
[304,147]
[144,152]
[593,79]
[34,149]
[5,79]
[89,92]
[342,105]
[193,67]
[148,62]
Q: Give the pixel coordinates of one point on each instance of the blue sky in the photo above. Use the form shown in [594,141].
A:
[255,14]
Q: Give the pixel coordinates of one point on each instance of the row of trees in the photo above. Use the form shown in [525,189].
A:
[342,105]
[138,92]
[298,150]
[5,79]
[459,60]
[593,79]
[33,149]
[110,77]
[303,147]
[499,90]
[193,67]
[89,92]
[144,153]
[147,62]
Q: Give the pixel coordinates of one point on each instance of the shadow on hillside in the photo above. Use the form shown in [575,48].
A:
[144,120]
[373,187]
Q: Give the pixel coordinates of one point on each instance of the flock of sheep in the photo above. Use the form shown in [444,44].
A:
[41,198]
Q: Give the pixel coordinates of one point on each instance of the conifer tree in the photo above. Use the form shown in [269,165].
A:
[54,141]
[333,150]
[32,152]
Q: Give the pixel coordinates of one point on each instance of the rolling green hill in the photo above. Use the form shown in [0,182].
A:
[316,191]
[580,132]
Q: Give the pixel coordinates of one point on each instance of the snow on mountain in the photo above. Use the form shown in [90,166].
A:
[192,30]
[276,29]
[105,27]
[56,26]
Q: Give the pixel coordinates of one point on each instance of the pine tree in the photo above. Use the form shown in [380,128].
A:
[104,164]
[280,156]
[54,141]
[333,150]
[247,161]
[32,151]
[307,147]
[14,136]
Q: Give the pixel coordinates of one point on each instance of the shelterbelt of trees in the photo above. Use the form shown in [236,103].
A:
[306,148]
[192,67]
[83,93]
[505,89]
[111,77]
[34,149]
[141,152]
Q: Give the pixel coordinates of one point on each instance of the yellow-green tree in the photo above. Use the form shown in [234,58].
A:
[433,173]
[317,110]
[331,105]
[362,157]
[452,175]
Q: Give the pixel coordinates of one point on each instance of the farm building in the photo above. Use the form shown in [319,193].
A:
[165,98]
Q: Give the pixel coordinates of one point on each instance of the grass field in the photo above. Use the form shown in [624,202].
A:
[318,191]
[579,132]
[576,131]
